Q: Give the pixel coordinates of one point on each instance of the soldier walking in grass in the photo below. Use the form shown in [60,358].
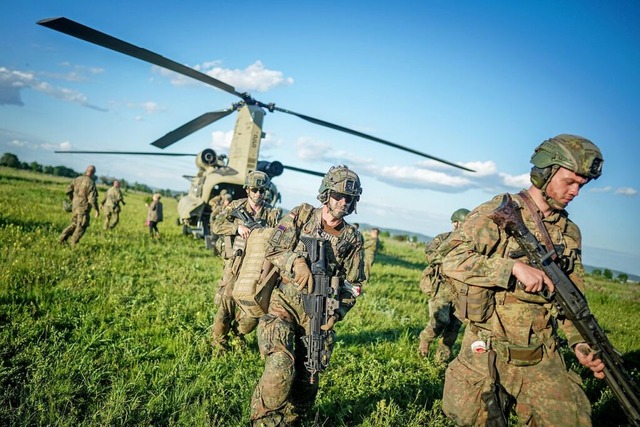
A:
[442,321]
[83,195]
[154,215]
[287,389]
[234,230]
[509,352]
[371,248]
[111,206]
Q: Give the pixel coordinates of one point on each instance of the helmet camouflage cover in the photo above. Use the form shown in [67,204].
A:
[459,215]
[572,152]
[257,179]
[343,180]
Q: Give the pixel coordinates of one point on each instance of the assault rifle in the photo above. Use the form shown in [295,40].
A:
[573,305]
[241,213]
[319,305]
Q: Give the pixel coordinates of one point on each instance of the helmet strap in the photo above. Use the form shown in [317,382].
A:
[550,201]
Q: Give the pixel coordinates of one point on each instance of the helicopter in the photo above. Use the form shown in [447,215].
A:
[215,172]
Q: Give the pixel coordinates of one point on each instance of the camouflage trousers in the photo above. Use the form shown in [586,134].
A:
[442,322]
[79,224]
[111,218]
[545,394]
[284,393]
[368,263]
[229,317]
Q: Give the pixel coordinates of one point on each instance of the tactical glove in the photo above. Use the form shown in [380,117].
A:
[302,275]
[331,321]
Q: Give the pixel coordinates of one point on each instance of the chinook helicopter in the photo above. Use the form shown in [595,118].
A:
[215,172]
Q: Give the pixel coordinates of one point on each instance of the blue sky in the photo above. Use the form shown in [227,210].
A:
[477,83]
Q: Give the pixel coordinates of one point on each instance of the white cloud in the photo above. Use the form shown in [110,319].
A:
[600,189]
[149,107]
[12,82]
[253,78]
[516,181]
[221,141]
[627,191]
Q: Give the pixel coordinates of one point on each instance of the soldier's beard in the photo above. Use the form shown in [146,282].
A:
[337,212]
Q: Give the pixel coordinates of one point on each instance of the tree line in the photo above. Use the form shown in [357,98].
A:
[12,161]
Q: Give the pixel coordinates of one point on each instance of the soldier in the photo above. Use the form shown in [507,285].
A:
[285,392]
[371,247]
[509,346]
[83,195]
[111,205]
[231,228]
[155,215]
[442,321]
[216,201]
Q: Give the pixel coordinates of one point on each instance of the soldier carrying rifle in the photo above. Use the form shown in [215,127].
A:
[509,355]
[319,258]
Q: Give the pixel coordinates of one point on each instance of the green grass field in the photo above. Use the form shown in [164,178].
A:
[115,331]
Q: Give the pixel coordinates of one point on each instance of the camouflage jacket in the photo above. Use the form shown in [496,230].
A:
[112,199]
[154,212]
[83,193]
[478,254]
[432,277]
[226,224]
[344,253]
[371,247]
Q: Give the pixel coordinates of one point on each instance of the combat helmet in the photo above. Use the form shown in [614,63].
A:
[257,179]
[571,152]
[341,179]
[459,215]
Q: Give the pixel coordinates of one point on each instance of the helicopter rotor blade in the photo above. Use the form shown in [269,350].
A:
[135,153]
[307,171]
[370,137]
[75,29]
[190,127]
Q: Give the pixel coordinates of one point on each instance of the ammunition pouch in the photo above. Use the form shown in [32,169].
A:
[474,303]
[429,280]
[518,355]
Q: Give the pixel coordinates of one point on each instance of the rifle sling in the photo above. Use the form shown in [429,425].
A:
[533,210]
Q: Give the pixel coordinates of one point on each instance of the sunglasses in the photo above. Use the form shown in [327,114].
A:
[337,196]
[258,190]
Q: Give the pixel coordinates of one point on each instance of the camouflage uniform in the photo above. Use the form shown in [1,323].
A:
[284,391]
[371,247]
[441,309]
[226,226]
[520,327]
[111,207]
[84,195]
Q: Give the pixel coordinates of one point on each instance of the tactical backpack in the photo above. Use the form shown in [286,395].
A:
[257,276]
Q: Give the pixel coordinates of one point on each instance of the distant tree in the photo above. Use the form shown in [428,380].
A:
[597,272]
[64,171]
[35,167]
[10,160]
[385,233]
[608,274]
[24,166]
[48,169]
[623,277]
[105,179]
